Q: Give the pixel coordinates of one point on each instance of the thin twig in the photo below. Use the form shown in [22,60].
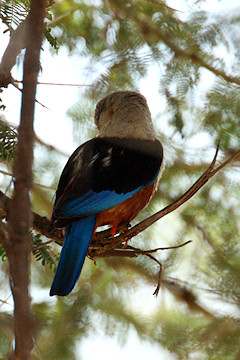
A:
[148,254]
[6,173]
[42,245]
[159,274]
[56,84]
[144,252]
[34,100]
[60,18]
[51,147]
[35,183]
[5,301]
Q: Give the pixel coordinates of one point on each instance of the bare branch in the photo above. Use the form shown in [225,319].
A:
[56,84]
[50,147]
[16,43]
[42,245]
[38,102]
[143,252]
[35,183]
[6,301]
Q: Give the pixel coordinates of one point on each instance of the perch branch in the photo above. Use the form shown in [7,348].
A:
[208,174]
[102,242]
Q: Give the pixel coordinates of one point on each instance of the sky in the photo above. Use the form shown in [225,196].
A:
[54,127]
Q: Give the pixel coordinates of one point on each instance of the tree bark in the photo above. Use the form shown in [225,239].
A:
[20,217]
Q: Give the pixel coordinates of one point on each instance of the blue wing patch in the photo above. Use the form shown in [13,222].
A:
[93,203]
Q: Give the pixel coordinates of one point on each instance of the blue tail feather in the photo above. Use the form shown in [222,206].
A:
[74,251]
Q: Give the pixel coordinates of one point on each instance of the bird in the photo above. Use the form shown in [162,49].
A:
[107,180]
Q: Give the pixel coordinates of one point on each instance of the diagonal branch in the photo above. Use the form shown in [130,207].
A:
[16,43]
[143,23]
[102,243]
[137,229]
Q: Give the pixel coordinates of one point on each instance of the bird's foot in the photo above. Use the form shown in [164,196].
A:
[114,231]
[123,228]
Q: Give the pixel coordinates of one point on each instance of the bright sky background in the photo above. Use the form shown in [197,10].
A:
[53,126]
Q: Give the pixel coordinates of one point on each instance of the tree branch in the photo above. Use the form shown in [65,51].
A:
[102,243]
[208,174]
[16,43]
[142,23]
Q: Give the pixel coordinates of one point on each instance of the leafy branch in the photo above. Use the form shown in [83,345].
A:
[149,29]
[42,252]
[8,141]
[19,15]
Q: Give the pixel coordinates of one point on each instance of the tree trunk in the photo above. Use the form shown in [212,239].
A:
[20,219]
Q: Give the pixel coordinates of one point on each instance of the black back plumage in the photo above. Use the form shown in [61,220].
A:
[115,164]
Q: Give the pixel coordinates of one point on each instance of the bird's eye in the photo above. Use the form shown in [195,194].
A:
[98,111]
[97,117]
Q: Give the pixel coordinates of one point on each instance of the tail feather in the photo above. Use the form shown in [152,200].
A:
[74,251]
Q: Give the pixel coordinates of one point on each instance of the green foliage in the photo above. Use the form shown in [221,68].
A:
[2,106]
[223,108]
[8,141]
[12,13]
[3,254]
[6,334]
[42,252]
[51,39]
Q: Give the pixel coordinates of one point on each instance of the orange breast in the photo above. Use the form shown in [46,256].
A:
[127,210]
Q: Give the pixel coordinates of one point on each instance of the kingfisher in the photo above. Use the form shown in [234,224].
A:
[108,180]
